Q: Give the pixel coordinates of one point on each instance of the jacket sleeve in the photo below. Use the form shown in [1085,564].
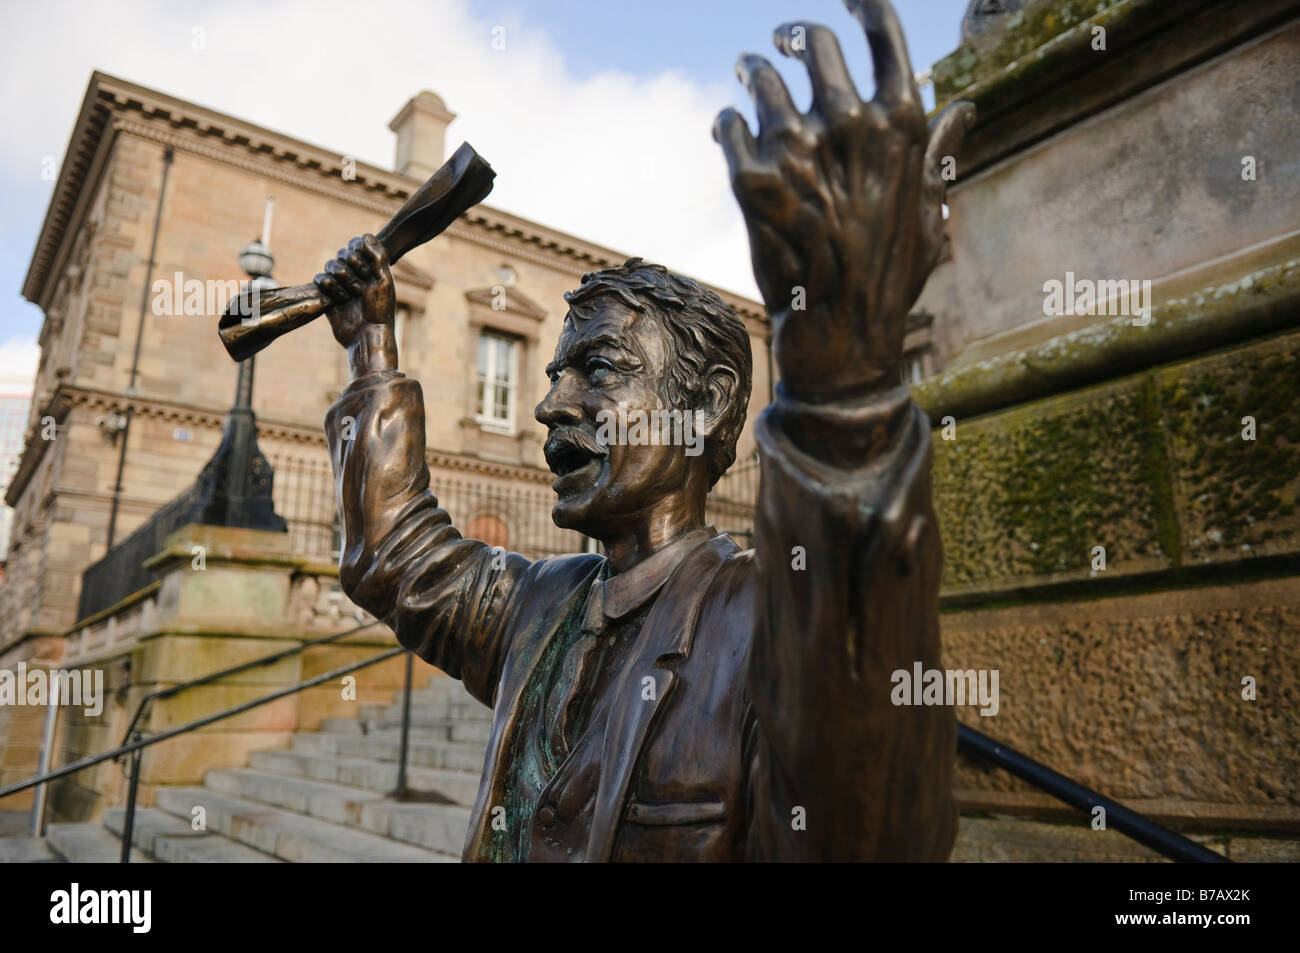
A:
[448,599]
[849,558]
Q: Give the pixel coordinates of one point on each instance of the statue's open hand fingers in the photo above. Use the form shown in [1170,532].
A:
[835,98]
[780,125]
[947,130]
[896,87]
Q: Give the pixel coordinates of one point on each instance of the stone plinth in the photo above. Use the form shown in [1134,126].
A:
[224,597]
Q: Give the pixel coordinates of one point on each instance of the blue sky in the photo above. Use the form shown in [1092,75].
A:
[702,38]
[654,74]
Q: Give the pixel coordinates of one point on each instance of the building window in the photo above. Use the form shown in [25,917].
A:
[497,374]
[913,367]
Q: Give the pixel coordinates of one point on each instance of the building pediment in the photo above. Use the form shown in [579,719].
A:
[509,300]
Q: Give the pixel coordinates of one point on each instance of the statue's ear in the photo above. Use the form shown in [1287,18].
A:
[719,391]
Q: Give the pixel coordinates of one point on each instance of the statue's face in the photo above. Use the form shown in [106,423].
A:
[608,356]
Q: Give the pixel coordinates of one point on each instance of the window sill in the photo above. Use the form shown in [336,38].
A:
[496,427]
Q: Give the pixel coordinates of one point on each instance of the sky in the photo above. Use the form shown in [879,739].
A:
[596,114]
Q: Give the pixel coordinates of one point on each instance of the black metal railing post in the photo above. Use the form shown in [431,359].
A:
[406,729]
[128,822]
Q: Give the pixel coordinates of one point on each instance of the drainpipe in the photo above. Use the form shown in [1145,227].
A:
[125,432]
[47,750]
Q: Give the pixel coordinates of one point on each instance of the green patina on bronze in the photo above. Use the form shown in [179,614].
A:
[533,762]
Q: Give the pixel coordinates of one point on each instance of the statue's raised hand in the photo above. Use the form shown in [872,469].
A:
[843,203]
[358,285]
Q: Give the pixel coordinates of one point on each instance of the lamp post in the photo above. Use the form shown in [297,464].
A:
[257,261]
[234,488]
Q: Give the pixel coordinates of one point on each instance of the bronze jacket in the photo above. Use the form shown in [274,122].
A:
[770,734]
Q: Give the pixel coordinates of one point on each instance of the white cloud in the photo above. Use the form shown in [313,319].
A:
[19,358]
[619,160]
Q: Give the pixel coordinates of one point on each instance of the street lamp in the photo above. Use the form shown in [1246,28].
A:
[234,488]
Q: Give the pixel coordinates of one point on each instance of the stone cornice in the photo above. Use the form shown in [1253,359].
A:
[1038,73]
[67,396]
[1260,303]
[166,120]
[476,465]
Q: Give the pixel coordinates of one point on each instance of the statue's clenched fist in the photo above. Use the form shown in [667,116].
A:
[843,203]
[359,288]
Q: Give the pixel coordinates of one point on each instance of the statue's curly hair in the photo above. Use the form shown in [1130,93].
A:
[705,332]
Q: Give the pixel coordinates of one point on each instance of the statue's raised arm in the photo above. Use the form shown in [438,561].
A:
[843,205]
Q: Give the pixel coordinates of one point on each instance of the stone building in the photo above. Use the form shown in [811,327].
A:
[1116,470]
[1117,482]
[133,265]
[479,311]
[15,403]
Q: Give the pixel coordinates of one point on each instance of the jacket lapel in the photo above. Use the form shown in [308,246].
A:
[665,638]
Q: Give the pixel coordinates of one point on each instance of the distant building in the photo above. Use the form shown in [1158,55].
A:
[13,425]
[479,310]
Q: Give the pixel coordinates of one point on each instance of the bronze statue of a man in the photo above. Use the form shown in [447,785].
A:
[678,699]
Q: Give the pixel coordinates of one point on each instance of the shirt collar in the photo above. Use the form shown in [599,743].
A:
[624,593]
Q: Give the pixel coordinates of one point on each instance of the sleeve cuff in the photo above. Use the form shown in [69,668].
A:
[846,434]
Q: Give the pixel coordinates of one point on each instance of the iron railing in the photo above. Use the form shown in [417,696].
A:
[121,572]
[731,502]
[303,493]
[135,742]
[515,516]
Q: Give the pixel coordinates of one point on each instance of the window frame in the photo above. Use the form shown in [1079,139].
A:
[488,380]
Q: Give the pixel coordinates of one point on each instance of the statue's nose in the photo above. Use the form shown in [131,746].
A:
[560,406]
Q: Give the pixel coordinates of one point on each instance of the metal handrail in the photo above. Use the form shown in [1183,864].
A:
[265,660]
[972,742]
[1125,820]
[139,743]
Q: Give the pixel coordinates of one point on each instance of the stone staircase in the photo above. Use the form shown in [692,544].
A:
[327,799]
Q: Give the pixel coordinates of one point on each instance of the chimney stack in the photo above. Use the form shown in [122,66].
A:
[421,128]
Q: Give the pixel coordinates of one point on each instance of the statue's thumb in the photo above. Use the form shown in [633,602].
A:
[947,130]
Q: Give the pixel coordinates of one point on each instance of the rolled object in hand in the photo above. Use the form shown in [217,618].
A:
[255,317]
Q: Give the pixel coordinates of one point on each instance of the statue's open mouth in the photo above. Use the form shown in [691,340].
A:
[573,456]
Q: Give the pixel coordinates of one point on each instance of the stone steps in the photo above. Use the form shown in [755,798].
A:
[439,729]
[438,827]
[289,835]
[325,799]
[89,844]
[460,787]
[171,840]
[24,849]
[451,755]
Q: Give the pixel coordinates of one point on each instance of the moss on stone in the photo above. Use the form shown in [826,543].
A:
[1154,468]
[1238,495]
[1014,42]
[1030,492]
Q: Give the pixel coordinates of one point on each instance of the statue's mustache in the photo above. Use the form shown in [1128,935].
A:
[573,438]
